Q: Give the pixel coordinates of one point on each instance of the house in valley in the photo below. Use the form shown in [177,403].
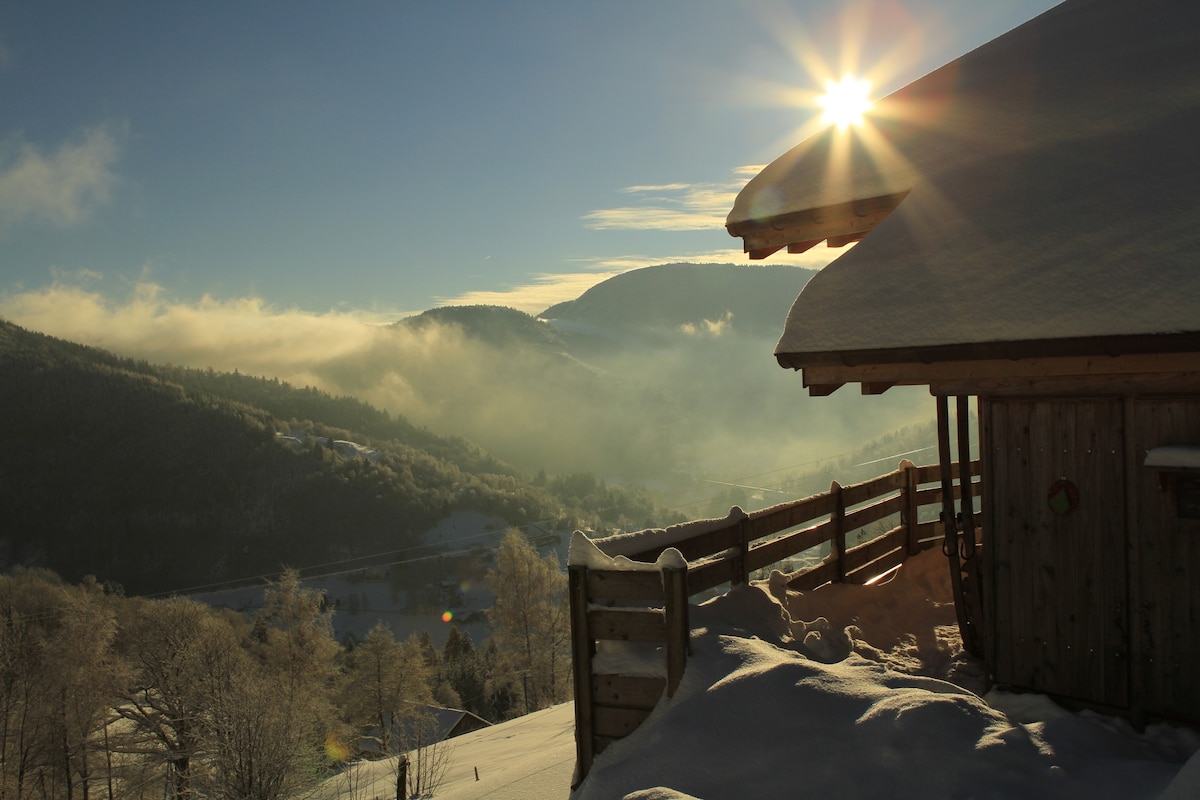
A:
[1029,217]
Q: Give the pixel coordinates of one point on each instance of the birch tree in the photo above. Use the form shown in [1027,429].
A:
[385,680]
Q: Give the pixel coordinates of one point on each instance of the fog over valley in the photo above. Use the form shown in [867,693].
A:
[655,375]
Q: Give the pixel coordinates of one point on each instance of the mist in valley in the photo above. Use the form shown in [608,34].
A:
[664,403]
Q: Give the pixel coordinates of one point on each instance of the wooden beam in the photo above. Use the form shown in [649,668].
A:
[795,248]
[1022,374]
[1183,343]
[1079,385]
[759,253]
[855,217]
[822,389]
[877,388]
[842,241]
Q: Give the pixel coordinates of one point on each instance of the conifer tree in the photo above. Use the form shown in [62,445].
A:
[463,671]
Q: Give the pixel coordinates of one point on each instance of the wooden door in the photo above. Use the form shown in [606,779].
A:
[1059,605]
[1166,556]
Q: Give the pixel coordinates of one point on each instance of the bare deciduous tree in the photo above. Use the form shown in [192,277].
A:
[530,620]
[427,755]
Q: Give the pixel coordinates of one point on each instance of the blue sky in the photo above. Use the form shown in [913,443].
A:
[377,158]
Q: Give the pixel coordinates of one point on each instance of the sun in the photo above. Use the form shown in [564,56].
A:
[845,101]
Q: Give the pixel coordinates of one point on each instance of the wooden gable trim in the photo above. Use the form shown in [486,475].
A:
[798,231]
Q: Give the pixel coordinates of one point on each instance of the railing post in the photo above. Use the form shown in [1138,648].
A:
[741,564]
[837,519]
[675,607]
[581,665]
[908,513]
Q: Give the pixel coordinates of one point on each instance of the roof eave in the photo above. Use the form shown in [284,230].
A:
[976,368]
[838,224]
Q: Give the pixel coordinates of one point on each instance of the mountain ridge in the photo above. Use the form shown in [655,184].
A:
[750,299]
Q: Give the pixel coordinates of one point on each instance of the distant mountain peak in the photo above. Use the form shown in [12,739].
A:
[751,299]
[498,325]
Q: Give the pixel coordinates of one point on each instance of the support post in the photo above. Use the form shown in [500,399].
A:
[581,665]
[908,511]
[741,564]
[970,564]
[949,518]
[675,607]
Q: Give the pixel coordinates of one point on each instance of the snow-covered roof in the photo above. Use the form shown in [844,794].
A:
[1052,204]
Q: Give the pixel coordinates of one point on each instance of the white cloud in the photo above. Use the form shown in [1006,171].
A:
[748,170]
[669,207]
[674,206]
[652,218]
[709,327]
[61,187]
[662,187]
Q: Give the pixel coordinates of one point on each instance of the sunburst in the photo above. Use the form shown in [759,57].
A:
[845,101]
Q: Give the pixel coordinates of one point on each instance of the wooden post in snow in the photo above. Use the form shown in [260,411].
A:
[581,665]
[675,608]
[908,513]
[837,520]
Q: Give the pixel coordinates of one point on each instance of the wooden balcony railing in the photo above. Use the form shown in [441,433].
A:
[841,536]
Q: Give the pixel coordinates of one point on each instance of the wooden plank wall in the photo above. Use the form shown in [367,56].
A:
[1059,613]
[1166,640]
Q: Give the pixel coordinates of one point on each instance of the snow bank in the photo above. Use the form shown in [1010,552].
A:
[854,703]
[753,719]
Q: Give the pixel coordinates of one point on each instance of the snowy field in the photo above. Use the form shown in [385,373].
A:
[847,704]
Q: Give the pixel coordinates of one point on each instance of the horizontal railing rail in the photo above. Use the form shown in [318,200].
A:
[731,554]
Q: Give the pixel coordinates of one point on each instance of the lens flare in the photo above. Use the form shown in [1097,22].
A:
[336,750]
[447,616]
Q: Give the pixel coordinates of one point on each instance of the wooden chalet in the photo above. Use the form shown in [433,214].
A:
[1029,218]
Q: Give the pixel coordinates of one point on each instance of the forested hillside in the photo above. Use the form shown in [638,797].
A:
[168,478]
